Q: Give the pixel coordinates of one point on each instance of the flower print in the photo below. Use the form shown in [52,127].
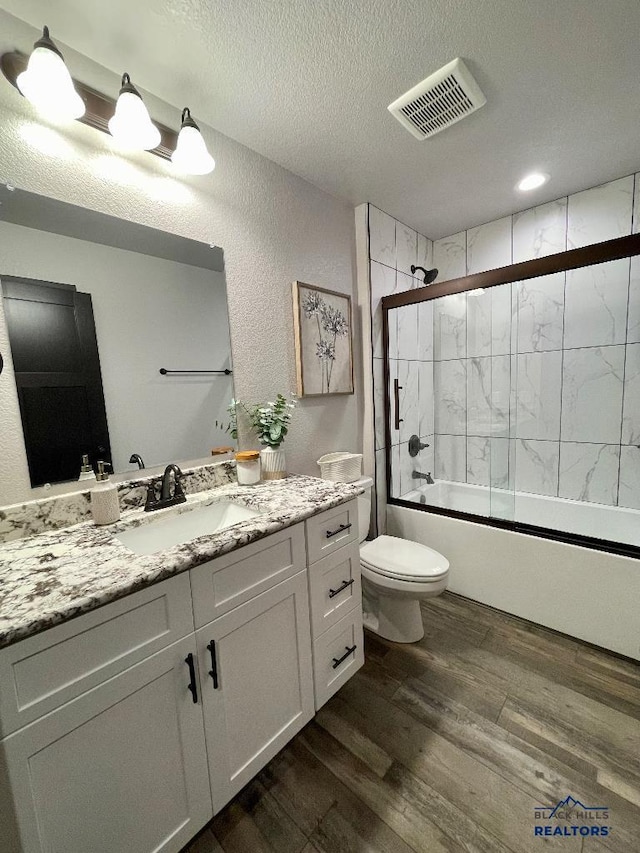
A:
[313,305]
[325,350]
[334,321]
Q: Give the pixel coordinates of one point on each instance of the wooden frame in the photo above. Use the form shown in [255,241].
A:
[597,253]
[307,321]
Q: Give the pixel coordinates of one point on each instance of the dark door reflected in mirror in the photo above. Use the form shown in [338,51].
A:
[57,369]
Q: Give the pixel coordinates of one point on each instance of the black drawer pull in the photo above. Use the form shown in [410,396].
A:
[213,672]
[342,528]
[344,585]
[337,661]
[192,677]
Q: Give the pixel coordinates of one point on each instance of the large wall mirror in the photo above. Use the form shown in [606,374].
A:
[92,309]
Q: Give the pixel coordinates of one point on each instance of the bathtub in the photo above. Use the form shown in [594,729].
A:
[612,523]
[589,594]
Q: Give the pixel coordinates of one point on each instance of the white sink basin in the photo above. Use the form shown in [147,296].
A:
[178,529]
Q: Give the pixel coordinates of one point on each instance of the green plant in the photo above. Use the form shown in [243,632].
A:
[271,420]
[232,426]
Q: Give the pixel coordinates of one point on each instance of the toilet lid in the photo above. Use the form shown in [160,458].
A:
[401,558]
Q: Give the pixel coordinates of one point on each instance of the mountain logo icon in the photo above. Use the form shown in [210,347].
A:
[565,808]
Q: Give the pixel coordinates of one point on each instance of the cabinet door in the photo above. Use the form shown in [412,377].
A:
[122,768]
[257,684]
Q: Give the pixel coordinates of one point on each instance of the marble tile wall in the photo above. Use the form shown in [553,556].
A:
[533,386]
[393,249]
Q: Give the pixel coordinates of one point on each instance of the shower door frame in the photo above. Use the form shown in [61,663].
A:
[587,256]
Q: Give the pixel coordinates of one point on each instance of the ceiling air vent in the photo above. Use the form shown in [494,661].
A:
[439,101]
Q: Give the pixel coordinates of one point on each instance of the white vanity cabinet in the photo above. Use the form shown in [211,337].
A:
[125,729]
[121,768]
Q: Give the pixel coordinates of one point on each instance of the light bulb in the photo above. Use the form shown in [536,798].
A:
[47,84]
[131,125]
[191,156]
[533,181]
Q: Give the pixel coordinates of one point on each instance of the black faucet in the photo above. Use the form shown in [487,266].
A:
[137,459]
[166,498]
[165,493]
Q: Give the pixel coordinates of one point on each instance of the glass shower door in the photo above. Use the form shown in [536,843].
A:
[451,402]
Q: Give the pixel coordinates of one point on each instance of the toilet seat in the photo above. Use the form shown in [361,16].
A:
[403,560]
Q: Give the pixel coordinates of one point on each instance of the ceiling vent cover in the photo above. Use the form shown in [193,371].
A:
[441,100]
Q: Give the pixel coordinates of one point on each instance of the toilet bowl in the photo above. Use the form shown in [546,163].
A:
[396,575]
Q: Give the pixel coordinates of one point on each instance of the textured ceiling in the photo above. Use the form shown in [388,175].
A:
[307,84]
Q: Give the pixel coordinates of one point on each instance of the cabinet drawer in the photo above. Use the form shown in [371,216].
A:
[335,659]
[230,580]
[44,671]
[334,587]
[331,530]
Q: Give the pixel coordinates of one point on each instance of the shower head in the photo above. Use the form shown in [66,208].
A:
[429,275]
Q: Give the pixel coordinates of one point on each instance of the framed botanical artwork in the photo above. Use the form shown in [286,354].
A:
[323,334]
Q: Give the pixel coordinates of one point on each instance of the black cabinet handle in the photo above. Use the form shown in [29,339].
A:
[213,672]
[192,677]
[337,661]
[340,529]
[344,585]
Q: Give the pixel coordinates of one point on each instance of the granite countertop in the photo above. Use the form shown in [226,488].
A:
[53,576]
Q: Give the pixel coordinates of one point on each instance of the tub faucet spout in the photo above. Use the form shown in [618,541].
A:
[418,475]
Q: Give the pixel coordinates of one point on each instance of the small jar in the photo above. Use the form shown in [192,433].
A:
[248,467]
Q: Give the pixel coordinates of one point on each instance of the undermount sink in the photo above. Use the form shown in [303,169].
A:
[178,529]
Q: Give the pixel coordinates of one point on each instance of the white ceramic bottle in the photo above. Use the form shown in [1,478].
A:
[105,507]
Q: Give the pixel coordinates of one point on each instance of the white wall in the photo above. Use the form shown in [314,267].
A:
[274,228]
[149,313]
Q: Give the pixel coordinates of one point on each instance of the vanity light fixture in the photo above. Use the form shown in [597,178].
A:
[47,84]
[131,123]
[191,156]
[44,79]
[532,181]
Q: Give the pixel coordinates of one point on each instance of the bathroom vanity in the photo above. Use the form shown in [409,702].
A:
[141,692]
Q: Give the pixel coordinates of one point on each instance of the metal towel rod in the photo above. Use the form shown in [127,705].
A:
[164,371]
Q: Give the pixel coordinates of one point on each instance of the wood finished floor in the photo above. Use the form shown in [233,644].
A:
[449,744]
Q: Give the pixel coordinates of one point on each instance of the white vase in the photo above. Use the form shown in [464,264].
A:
[274,466]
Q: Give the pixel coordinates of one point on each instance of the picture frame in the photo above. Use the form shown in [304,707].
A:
[323,330]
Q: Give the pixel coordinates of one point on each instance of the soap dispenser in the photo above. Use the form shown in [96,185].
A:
[86,470]
[105,507]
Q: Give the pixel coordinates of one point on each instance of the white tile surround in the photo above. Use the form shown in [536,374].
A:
[561,416]
[392,248]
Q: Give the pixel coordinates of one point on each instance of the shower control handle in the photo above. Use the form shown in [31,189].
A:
[415,445]
[396,397]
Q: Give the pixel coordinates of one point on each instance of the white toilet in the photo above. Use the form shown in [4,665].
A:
[396,575]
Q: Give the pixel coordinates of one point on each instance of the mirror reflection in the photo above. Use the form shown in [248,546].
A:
[93,308]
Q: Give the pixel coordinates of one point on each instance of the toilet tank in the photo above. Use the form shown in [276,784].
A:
[364,507]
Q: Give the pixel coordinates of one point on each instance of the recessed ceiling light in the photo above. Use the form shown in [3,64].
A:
[533,181]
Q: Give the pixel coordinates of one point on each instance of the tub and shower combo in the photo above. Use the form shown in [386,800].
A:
[512,417]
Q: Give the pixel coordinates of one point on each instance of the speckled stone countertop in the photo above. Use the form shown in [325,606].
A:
[55,575]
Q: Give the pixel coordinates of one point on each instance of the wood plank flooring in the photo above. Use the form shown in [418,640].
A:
[449,745]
